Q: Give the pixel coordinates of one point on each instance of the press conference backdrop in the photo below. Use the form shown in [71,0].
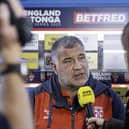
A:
[98,23]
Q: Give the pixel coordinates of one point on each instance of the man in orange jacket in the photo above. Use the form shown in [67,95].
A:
[115,123]
[55,102]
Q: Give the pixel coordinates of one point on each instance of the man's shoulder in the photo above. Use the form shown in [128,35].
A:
[45,86]
[98,86]
[101,87]
[107,88]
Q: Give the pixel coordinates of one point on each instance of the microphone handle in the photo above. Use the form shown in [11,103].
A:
[90,113]
[89,110]
[95,125]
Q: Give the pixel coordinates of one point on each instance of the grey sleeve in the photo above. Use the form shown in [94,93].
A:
[113,124]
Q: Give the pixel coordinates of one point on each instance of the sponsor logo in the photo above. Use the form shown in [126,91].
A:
[99,18]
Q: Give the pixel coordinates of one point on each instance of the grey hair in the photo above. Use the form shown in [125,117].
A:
[125,42]
[65,42]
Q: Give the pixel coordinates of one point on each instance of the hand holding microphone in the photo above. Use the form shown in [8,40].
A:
[98,121]
[86,98]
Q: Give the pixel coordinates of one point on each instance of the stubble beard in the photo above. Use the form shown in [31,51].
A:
[65,84]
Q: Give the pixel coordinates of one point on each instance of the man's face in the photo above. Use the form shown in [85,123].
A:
[72,68]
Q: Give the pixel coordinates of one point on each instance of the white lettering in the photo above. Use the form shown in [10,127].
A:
[46,19]
[43,12]
[97,18]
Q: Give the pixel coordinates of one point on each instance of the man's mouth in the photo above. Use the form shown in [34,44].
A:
[79,76]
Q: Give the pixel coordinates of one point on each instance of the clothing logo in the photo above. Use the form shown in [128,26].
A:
[98,111]
[46,112]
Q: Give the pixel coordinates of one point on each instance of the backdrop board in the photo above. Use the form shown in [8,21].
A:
[113,54]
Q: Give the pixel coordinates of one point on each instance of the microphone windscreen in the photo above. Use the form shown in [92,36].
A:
[85,95]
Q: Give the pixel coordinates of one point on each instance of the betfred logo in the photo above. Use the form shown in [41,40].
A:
[99,18]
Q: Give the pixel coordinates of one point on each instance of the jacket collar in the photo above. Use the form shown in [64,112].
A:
[97,86]
[61,101]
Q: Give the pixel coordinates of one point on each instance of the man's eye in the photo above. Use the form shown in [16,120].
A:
[82,57]
[67,61]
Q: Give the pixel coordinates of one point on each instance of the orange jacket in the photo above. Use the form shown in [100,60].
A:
[53,109]
[63,117]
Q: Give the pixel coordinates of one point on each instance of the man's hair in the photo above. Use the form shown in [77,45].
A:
[125,37]
[125,41]
[65,42]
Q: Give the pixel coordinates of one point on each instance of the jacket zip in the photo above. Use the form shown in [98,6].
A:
[73,118]
[50,113]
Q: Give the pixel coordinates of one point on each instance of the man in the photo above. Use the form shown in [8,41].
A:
[115,123]
[125,43]
[15,112]
[55,102]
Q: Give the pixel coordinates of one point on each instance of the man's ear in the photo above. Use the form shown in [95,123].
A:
[53,67]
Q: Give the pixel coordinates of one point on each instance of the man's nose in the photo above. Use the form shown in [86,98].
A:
[77,65]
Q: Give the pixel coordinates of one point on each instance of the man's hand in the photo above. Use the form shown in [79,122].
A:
[98,121]
[9,44]
[13,84]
